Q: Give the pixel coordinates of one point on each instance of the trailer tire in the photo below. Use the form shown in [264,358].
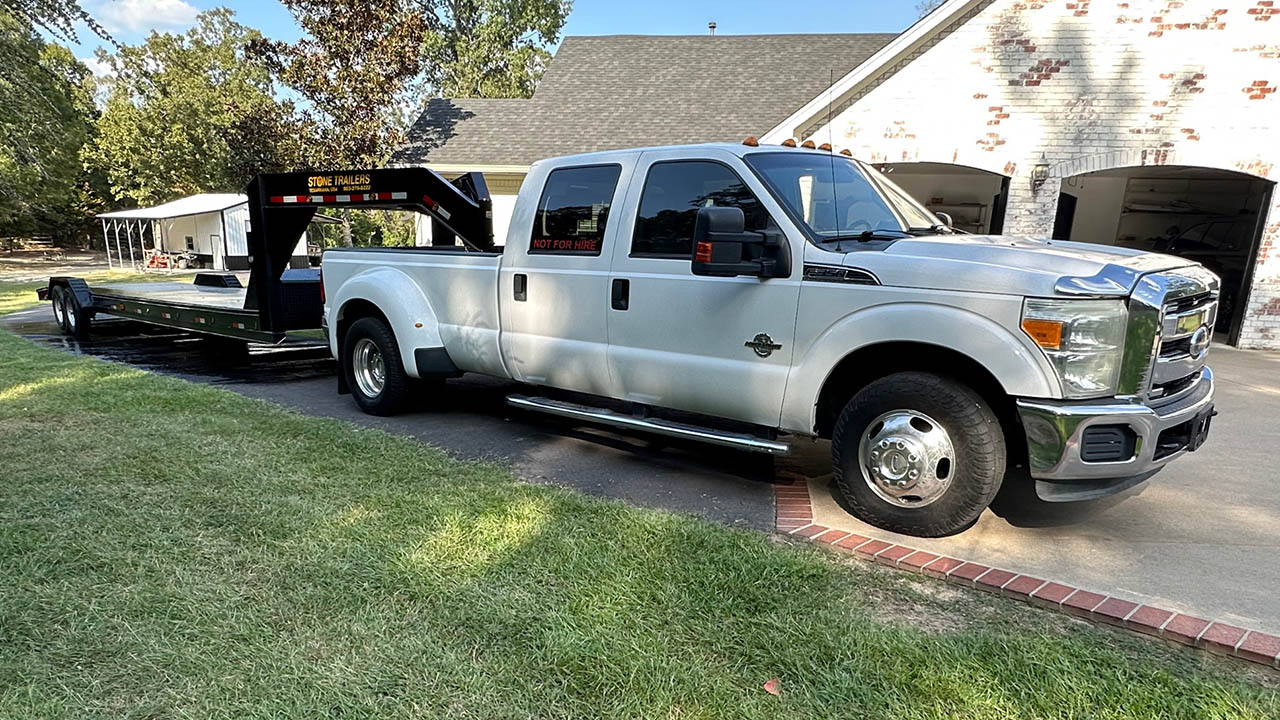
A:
[58,299]
[75,320]
[918,454]
[372,368]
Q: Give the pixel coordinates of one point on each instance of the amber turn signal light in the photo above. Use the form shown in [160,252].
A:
[1046,333]
[702,253]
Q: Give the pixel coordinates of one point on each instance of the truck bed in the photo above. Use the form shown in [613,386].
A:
[461,289]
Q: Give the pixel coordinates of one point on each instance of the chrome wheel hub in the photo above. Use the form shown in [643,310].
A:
[907,458]
[368,367]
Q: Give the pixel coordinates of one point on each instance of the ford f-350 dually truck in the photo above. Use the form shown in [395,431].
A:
[748,296]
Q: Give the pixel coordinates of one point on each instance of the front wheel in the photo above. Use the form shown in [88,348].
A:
[918,454]
[374,373]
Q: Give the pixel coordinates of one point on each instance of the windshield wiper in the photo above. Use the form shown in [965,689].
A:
[869,235]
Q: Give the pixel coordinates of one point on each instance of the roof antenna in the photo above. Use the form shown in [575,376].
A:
[712,27]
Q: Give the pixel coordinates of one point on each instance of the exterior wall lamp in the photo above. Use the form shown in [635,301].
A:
[1039,173]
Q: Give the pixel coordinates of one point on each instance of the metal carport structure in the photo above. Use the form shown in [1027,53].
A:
[158,222]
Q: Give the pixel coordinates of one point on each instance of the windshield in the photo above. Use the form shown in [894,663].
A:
[836,197]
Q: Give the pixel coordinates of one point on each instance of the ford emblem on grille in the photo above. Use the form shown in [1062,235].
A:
[1199,344]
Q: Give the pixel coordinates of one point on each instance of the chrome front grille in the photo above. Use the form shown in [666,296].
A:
[1186,330]
[1171,317]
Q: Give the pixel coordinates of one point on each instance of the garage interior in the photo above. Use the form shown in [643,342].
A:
[975,199]
[1203,214]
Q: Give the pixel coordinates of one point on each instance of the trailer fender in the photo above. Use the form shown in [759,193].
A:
[78,287]
[1019,367]
[398,299]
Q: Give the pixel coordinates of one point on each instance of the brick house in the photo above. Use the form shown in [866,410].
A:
[1147,123]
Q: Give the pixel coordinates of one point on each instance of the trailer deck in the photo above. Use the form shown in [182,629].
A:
[212,304]
[278,299]
[175,293]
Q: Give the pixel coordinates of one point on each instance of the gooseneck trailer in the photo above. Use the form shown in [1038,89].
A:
[277,300]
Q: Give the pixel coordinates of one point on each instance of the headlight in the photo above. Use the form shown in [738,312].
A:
[1084,339]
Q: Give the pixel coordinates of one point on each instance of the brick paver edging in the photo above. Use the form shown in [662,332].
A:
[794,516]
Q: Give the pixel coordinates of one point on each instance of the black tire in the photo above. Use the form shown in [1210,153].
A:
[397,388]
[58,300]
[76,320]
[975,438]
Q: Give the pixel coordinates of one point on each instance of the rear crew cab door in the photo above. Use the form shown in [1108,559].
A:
[690,342]
[553,284]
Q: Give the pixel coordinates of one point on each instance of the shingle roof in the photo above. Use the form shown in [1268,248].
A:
[615,91]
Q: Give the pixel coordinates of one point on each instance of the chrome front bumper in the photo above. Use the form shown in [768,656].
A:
[1055,432]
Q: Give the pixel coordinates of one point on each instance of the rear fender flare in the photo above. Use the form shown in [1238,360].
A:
[398,297]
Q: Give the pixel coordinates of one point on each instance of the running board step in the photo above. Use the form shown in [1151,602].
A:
[573,411]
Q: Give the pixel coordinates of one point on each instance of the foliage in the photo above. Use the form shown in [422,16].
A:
[385,55]
[192,113]
[177,550]
[46,115]
[490,48]
[59,17]
[353,67]
[924,7]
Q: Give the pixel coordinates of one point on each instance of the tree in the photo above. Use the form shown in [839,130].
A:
[924,7]
[192,113]
[364,66]
[59,17]
[353,67]
[46,114]
[490,48]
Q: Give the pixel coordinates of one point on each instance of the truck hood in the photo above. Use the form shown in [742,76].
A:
[1020,266]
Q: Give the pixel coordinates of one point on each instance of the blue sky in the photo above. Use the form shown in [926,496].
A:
[130,20]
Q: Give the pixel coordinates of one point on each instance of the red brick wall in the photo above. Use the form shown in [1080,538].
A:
[1091,84]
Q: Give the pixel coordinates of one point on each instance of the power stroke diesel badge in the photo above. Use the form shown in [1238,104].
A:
[762,344]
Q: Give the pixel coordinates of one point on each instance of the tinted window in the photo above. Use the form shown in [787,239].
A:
[573,210]
[672,195]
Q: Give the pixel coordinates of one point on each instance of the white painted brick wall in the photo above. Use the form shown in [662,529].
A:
[1091,84]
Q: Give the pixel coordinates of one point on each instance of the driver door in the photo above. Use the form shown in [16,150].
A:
[715,345]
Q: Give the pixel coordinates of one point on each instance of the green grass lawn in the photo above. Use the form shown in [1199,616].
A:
[20,295]
[175,550]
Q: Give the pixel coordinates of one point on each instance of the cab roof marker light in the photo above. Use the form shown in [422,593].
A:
[808,145]
[789,142]
[825,147]
[846,152]
[751,142]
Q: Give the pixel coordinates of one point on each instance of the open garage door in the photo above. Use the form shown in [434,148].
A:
[1212,216]
[975,199]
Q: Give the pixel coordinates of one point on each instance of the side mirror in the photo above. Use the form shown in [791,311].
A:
[945,218]
[722,247]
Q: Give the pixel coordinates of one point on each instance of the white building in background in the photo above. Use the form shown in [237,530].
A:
[212,226]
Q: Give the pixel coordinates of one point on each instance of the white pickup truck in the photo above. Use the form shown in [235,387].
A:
[774,293]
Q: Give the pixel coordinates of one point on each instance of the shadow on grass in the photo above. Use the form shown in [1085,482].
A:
[171,549]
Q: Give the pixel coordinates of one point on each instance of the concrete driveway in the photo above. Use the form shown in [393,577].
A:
[1201,537]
